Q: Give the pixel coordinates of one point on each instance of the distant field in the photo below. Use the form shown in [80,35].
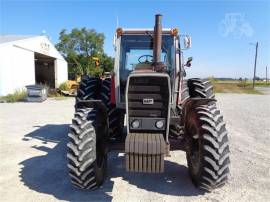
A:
[237,86]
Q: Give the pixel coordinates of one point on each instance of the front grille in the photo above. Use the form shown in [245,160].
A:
[151,88]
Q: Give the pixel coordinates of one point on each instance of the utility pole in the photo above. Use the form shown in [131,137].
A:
[254,76]
[266,74]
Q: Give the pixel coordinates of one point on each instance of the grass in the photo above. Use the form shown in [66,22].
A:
[235,87]
[64,86]
[260,83]
[18,95]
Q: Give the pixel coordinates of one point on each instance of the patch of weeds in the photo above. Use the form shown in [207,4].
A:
[64,86]
[18,95]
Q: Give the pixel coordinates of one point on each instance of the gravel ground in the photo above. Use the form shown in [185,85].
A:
[264,90]
[33,163]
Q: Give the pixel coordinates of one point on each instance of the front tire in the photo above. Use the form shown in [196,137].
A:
[207,147]
[87,152]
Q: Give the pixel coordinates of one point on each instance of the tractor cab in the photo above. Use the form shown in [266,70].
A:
[134,53]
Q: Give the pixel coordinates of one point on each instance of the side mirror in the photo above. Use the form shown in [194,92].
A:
[187,42]
[188,63]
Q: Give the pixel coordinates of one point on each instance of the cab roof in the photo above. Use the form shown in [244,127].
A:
[127,31]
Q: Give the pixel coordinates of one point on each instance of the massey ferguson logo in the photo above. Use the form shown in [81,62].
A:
[148,101]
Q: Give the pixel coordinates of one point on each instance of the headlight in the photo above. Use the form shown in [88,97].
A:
[160,124]
[135,124]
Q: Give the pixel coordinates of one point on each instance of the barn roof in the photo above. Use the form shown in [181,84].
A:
[35,43]
[11,38]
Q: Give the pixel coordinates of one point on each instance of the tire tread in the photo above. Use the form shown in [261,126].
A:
[81,150]
[215,163]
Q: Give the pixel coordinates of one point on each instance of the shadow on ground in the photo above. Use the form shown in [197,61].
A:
[48,173]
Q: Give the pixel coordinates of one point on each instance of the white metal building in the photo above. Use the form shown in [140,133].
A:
[26,60]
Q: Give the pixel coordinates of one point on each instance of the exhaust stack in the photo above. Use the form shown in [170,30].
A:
[157,39]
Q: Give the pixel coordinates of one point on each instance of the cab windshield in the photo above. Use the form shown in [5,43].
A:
[137,50]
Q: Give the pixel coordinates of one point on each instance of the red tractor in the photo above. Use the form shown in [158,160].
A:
[161,109]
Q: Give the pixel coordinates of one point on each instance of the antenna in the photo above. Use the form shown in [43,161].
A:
[117,22]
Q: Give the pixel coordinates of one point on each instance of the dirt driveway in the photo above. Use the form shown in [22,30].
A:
[33,157]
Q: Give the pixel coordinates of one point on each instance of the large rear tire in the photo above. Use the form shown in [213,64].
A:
[87,149]
[207,147]
[88,88]
[200,88]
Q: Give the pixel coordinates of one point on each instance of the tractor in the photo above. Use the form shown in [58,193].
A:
[145,109]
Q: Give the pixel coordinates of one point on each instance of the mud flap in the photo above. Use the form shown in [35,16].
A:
[145,152]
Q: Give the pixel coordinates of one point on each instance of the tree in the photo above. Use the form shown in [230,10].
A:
[79,47]
[107,62]
[257,78]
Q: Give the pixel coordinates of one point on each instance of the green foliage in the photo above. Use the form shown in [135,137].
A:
[79,47]
[18,95]
[106,62]
[64,86]
[95,72]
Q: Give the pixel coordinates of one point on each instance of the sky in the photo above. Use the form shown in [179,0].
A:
[223,32]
